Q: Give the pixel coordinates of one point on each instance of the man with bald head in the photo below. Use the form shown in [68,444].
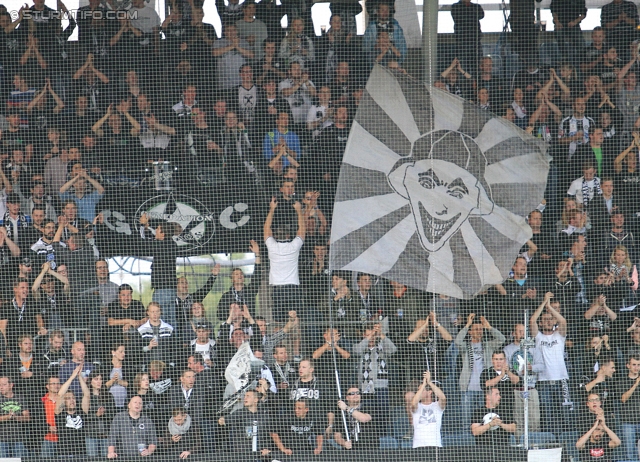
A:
[132,434]
[66,370]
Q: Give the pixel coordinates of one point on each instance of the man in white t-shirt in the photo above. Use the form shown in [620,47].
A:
[427,413]
[298,90]
[553,380]
[587,187]
[283,262]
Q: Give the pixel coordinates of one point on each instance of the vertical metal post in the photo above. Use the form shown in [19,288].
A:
[524,345]
[430,39]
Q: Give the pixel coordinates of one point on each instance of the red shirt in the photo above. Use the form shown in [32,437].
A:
[49,412]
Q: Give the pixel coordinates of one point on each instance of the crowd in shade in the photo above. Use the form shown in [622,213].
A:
[86,370]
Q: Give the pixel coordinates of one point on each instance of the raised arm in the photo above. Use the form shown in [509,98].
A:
[13,248]
[118,35]
[5,181]
[498,337]
[97,186]
[135,125]
[584,438]
[627,394]
[46,266]
[97,127]
[59,103]
[68,184]
[562,322]
[301,220]
[58,236]
[80,72]
[426,377]
[269,220]
[463,332]
[36,52]
[617,163]
[62,278]
[65,388]
[417,332]
[453,66]
[86,394]
[556,110]
[442,399]
[566,91]
[11,27]
[533,321]
[34,102]
[623,72]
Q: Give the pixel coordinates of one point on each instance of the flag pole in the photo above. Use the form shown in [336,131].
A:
[430,40]
[526,343]
[335,365]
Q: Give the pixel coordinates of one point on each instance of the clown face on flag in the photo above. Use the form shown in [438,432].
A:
[433,191]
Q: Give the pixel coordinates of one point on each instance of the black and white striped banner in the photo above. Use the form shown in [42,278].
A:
[433,190]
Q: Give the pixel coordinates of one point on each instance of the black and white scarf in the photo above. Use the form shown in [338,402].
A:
[354,424]
[373,354]
[521,111]
[471,355]
[52,306]
[586,190]
[283,372]
[8,224]
[19,309]
[617,270]
[238,296]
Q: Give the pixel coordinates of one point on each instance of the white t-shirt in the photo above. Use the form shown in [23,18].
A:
[299,101]
[552,349]
[312,116]
[204,350]
[283,260]
[247,101]
[427,421]
[146,20]
[576,189]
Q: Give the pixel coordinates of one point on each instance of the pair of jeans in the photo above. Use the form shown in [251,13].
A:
[48,449]
[556,407]
[471,400]
[96,447]
[167,300]
[630,433]
[285,298]
[16,449]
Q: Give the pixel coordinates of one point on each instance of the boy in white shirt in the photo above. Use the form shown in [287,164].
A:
[427,414]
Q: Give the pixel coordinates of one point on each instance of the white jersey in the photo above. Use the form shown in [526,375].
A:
[283,257]
[552,349]
[427,420]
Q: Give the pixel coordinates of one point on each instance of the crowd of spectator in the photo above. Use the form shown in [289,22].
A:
[268,110]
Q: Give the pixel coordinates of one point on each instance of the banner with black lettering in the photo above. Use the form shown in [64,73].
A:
[206,220]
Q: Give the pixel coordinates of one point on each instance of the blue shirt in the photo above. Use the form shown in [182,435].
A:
[271,140]
[86,205]
[66,371]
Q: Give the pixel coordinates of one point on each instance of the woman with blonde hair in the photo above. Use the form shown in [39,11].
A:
[621,268]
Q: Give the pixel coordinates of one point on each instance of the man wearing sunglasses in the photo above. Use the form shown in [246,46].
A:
[361,435]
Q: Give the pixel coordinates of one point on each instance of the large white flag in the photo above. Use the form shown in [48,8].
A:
[433,190]
[238,372]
